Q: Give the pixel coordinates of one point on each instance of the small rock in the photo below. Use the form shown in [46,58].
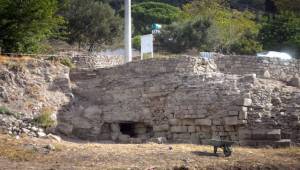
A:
[54,137]
[295,82]
[50,147]
[24,130]
[35,129]
[267,74]
[41,134]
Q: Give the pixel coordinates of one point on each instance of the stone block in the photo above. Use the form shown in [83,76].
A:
[231,120]
[247,102]
[295,82]
[174,121]
[160,128]
[244,102]
[92,112]
[195,139]
[140,130]
[191,129]
[181,136]
[160,134]
[115,128]
[188,122]
[178,129]
[203,122]
[124,138]
[205,129]
[216,122]
[243,115]
[229,128]
[233,113]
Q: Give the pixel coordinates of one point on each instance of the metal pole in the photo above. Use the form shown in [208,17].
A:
[127,41]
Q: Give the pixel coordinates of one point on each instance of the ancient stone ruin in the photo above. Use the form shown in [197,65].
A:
[186,99]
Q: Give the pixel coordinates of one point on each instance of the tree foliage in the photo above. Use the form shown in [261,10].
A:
[25,24]
[146,13]
[92,23]
[179,37]
[229,27]
[282,33]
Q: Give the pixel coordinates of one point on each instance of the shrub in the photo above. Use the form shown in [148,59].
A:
[4,110]
[44,119]
[67,62]
[136,42]
[179,37]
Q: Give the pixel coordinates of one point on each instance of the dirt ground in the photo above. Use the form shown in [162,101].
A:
[26,153]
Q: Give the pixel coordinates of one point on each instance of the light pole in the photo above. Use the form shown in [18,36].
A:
[127,41]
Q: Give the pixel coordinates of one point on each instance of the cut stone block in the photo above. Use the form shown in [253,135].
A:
[203,122]
[231,120]
[161,128]
[178,129]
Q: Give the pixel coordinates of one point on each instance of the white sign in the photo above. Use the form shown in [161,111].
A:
[146,44]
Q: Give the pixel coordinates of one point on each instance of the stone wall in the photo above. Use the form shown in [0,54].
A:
[273,68]
[181,99]
[96,61]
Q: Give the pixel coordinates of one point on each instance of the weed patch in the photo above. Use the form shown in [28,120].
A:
[44,119]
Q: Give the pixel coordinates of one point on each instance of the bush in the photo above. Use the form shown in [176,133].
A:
[67,62]
[179,37]
[246,45]
[4,110]
[44,119]
[136,42]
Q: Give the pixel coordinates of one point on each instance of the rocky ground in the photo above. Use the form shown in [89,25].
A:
[33,153]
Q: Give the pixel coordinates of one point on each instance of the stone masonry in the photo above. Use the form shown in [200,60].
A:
[273,68]
[181,99]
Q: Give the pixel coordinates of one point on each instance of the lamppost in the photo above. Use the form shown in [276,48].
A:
[127,41]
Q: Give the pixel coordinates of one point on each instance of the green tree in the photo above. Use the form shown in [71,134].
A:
[288,5]
[282,33]
[179,37]
[146,13]
[92,23]
[177,3]
[25,24]
[228,26]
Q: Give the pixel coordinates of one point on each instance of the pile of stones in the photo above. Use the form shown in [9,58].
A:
[16,126]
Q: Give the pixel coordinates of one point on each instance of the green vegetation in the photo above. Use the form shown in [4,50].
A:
[146,13]
[182,36]
[92,23]
[282,33]
[235,26]
[4,110]
[136,42]
[44,119]
[24,25]
[67,62]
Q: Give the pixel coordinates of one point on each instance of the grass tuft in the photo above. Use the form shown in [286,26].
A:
[44,119]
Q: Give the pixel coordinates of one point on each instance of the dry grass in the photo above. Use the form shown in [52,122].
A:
[6,59]
[83,155]
[12,150]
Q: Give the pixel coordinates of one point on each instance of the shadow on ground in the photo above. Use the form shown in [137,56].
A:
[200,153]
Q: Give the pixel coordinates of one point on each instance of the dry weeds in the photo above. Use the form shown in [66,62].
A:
[84,155]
